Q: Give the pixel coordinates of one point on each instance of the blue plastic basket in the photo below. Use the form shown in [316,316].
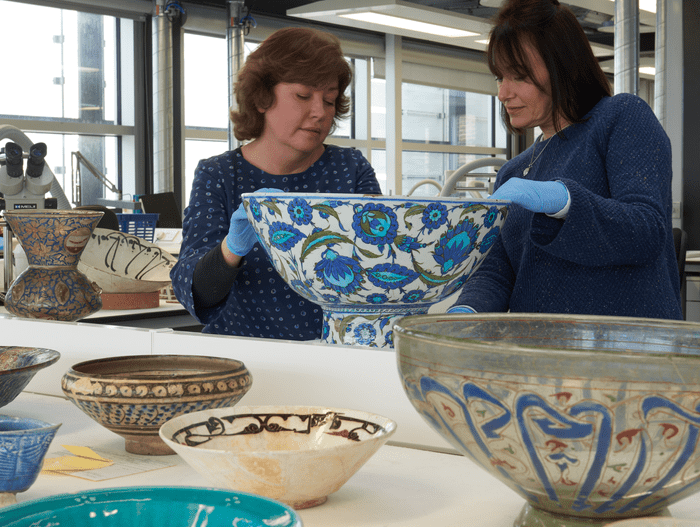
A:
[141,225]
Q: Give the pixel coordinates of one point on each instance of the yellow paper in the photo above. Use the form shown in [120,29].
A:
[83,458]
[83,451]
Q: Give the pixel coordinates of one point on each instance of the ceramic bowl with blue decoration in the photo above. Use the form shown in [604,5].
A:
[369,260]
[590,419]
[18,365]
[23,445]
[133,396]
[150,506]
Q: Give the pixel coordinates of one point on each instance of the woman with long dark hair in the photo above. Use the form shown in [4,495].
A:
[589,230]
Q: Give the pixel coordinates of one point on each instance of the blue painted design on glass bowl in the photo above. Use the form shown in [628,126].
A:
[18,365]
[372,259]
[149,506]
[590,419]
[23,445]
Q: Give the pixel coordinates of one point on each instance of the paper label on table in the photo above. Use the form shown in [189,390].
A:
[99,465]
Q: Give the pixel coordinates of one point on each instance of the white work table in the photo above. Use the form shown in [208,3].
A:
[414,480]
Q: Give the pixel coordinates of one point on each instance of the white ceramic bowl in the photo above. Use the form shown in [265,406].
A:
[295,454]
[122,263]
[370,260]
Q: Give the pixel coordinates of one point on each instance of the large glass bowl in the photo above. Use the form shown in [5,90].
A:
[590,419]
[369,260]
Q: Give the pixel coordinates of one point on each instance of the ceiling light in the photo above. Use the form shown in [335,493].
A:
[648,70]
[646,5]
[398,17]
[411,25]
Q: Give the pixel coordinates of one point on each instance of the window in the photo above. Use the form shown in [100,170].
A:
[62,89]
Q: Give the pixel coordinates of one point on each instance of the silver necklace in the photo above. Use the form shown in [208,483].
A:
[532,161]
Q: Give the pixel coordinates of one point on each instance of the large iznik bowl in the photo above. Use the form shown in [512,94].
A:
[369,260]
[590,419]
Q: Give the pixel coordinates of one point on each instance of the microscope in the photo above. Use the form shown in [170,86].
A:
[25,190]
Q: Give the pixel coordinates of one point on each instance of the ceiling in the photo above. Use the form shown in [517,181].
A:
[596,24]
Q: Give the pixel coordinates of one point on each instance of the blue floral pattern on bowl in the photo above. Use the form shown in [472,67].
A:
[369,260]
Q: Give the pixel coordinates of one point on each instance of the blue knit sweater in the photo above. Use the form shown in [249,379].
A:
[260,303]
[613,254]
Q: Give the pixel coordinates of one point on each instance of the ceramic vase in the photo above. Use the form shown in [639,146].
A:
[52,287]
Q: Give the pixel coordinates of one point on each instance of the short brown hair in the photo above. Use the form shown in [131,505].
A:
[577,82]
[294,55]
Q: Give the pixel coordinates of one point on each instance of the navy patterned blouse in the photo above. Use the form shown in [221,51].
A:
[260,304]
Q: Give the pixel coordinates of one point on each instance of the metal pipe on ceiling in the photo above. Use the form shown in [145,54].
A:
[163,142]
[626,46]
[660,63]
[235,39]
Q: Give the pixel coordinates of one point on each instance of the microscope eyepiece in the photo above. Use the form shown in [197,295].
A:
[35,164]
[13,159]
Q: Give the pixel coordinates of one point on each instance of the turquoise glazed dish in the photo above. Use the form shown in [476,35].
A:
[18,366]
[148,507]
[23,445]
[590,419]
[370,260]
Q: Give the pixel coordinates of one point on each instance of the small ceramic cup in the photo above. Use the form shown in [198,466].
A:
[23,445]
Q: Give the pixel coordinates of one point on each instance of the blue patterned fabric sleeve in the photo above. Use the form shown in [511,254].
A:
[205,225]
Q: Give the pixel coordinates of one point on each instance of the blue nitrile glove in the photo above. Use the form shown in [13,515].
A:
[460,309]
[241,236]
[550,197]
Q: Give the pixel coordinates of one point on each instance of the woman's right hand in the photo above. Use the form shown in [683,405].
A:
[241,237]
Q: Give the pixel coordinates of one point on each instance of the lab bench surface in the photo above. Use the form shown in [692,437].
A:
[416,479]
[398,486]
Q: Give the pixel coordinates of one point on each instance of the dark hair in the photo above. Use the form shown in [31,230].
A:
[294,55]
[577,82]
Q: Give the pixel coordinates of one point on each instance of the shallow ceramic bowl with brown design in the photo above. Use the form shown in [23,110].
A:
[295,454]
[134,395]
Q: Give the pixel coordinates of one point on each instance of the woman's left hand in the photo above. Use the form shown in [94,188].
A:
[549,197]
